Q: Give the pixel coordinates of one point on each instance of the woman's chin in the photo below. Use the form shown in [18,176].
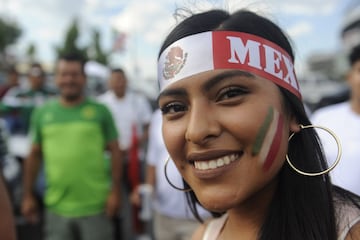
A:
[217,202]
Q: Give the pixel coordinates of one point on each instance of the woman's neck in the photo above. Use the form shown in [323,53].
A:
[246,220]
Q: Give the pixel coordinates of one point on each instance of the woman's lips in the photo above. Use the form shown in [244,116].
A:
[216,163]
[214,167]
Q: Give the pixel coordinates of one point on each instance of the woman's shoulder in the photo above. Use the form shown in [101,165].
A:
[353,233]
[348,218]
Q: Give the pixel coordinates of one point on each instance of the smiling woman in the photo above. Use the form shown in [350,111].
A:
[230,102]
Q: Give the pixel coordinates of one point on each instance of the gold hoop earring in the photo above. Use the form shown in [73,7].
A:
[168,180]
[326,170]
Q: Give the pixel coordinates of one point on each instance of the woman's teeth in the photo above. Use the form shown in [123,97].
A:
[215,163]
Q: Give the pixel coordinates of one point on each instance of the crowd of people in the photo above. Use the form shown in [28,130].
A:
[230,153]
[75,172]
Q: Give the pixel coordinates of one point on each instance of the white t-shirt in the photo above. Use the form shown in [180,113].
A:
[132,109]
[167,201]
[346,125]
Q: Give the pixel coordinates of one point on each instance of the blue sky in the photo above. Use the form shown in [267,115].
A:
[313,25]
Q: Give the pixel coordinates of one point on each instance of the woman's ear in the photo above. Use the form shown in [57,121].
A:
[294,126]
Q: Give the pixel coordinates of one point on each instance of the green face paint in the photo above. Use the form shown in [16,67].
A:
[262,132]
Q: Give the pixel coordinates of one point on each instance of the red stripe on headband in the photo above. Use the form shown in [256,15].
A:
[236,50]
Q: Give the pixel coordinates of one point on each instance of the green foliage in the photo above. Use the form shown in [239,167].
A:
[96,52]
[9,33]
[70,45]
[31,52]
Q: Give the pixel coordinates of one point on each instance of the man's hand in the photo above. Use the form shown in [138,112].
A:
[135,197]
[29,209]
[113,203]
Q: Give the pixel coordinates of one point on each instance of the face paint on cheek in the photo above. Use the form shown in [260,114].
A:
[275,145]
[268,140]
[260,137]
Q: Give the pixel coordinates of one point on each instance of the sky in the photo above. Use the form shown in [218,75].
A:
[313,25]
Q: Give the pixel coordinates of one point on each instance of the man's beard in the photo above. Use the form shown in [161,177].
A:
[72,97]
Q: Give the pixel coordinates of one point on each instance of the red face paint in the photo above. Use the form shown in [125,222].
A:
[274,149]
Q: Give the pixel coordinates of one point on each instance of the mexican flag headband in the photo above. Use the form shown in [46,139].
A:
[227,50]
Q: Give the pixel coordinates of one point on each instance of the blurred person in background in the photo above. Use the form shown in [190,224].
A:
[172,216]
[344,119]
[71,135]
[7,223]
[12,77]
[12,81]
[19,103]
[132,114]
[23,100]
[10,176]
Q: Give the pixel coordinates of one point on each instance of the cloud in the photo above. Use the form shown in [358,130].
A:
[146,18]
[300,29]
[146,22]
[309,7]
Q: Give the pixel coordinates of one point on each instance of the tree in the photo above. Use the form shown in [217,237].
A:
[70,45]
[9,33]
[31,52]
[96,52]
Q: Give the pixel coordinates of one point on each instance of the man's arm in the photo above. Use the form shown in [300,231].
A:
[113,202]
[150,180]
[145,135]
[31,169]
[7,229]
[116,165]
[150,175]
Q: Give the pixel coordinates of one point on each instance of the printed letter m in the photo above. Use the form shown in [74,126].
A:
[239,51]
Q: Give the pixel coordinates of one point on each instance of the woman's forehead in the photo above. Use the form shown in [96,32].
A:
[207,81]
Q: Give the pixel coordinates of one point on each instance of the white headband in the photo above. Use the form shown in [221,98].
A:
[227,50]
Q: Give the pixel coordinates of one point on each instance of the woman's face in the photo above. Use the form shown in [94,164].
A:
[227,133]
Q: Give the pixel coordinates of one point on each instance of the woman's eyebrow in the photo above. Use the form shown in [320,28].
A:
[172,92]
[213,81]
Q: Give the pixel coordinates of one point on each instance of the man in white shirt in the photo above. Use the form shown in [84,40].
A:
[344,119]
[129,109]
[132,114]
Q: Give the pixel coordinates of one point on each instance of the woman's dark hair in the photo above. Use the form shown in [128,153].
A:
[302,207]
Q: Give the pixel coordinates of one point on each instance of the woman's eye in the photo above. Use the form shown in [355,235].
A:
[172,108]
[231,92]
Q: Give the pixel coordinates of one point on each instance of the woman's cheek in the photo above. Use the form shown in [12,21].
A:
[172,138]
[269,138]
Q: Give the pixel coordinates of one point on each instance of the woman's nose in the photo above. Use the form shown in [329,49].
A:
[202,125]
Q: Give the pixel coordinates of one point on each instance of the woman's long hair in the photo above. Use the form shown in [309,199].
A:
[302,207]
